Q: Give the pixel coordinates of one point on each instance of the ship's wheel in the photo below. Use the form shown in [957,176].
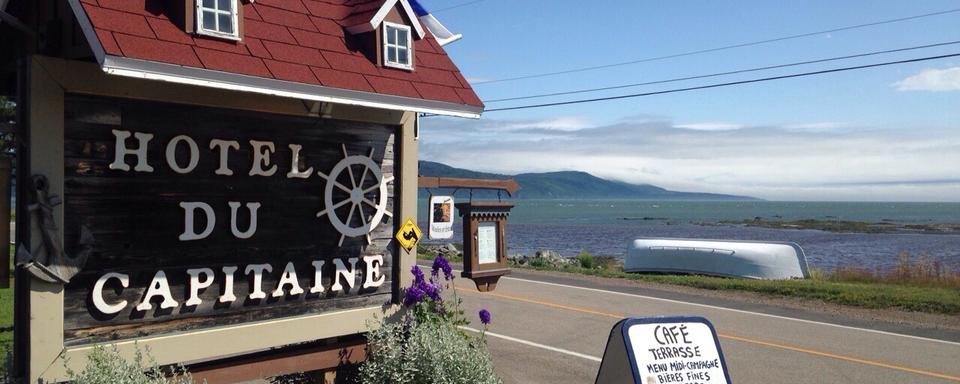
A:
[359,192]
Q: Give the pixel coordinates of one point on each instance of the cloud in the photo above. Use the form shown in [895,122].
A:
[474,80]
[814,161]
[819,126]
[939,80]
[710,126]
[559,123]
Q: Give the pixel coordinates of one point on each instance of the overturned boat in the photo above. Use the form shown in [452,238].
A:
[732,258]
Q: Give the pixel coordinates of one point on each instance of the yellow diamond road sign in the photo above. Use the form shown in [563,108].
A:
[409,235]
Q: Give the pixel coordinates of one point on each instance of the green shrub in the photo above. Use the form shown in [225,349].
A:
[586,260]
[8,111]
[106,366]
[426,352]
[7,365]
[539,262]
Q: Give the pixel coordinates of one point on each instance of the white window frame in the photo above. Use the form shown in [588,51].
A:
[387,46]
[235,14]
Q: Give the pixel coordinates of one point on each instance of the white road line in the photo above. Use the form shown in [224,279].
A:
[735,310]
[535,345]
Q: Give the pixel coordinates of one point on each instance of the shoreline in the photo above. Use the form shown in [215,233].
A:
[844,226]
[829,245]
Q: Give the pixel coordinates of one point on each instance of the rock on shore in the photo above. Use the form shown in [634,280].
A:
[544,258]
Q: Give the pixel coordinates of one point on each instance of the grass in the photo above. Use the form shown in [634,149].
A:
[6,317]
[865,294]
[914,284]
[6,323]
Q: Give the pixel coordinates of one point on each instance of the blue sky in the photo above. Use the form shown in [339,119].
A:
[883,134]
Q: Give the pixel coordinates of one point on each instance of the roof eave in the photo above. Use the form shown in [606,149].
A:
[361,28]
[88,32]
[444,42]
[143,69]
[382,14]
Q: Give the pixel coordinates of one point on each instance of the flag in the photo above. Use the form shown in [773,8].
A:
[441,33]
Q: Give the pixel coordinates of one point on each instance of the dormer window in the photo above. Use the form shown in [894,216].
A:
[397,48]
[218,18]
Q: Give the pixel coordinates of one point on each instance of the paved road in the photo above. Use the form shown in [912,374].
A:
[553,330]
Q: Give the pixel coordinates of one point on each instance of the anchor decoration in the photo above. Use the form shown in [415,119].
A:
[357,191]
[53,265]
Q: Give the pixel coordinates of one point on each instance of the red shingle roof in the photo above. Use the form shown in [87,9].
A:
[300,41]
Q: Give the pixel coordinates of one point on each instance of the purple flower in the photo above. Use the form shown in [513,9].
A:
[484,316]
[421,289]
[441,264]
[414,295]
[433,290]
[417,275]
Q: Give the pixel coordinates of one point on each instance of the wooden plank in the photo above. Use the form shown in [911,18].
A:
[292,360]
[508,185]
[136,218]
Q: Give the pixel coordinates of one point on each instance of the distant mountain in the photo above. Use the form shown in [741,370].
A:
[565,185]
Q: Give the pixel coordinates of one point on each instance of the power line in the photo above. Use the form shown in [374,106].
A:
[756,69]
[718,85]
[456,6]
[708,50]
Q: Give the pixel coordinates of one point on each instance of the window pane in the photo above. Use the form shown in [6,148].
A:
[209,3]
[226,23]
[210,21]
[392,54]
[402,54]
[391,35]
[225,5]
[402,35]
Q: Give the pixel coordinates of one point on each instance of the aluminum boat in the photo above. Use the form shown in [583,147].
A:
[732,258]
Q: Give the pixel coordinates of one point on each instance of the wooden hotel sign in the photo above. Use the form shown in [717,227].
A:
[194,217]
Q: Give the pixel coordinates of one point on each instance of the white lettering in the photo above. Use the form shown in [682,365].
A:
[224,146]
[373,276]
[196,285]
[317,275]
[228,296]
[98,300]
[172,154]
[252,228]
[289,277]
[295,171]
[350,275]
[158,287]
[203,278]
[188,231]
[261,158]
[121,151]
[257,286]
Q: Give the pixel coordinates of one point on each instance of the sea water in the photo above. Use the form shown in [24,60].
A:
[605,227]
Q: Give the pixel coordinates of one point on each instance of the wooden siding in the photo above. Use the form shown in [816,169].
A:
[136,219]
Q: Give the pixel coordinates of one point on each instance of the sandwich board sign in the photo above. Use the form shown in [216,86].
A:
[441,217]
[661,350]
